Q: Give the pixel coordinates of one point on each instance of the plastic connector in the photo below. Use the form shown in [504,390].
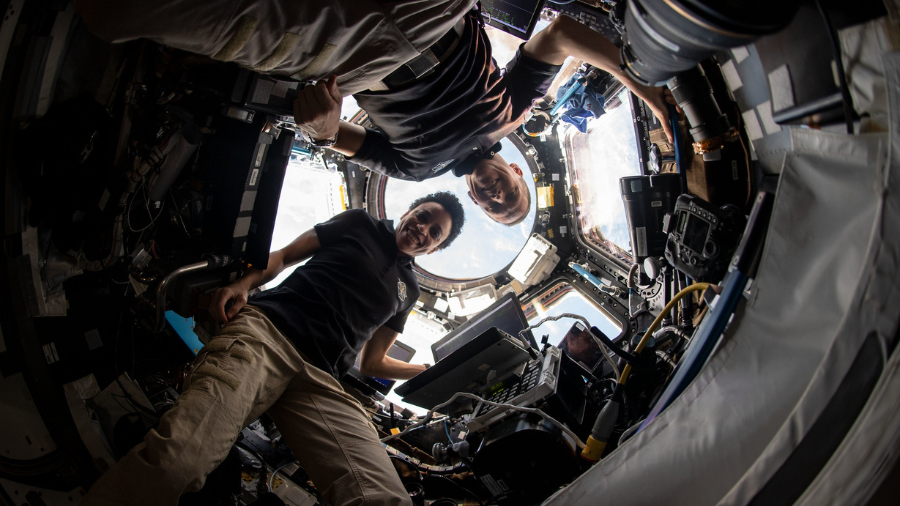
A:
[593,449]
[606,421]
[603,427]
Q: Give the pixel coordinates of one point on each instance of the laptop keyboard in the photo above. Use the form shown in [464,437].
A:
[528,380]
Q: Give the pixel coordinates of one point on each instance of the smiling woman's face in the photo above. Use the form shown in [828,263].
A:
[498,189]
[423,229]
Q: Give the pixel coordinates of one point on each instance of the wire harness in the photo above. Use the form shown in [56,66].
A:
[457,395]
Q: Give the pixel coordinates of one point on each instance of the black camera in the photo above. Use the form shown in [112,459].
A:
[663,40]
[702,238]
[647,201]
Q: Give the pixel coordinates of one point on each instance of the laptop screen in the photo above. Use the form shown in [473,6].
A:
[516,17]
[399,351]
[505,314]
[581,347]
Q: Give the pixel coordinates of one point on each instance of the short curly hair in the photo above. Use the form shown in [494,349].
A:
[453,207]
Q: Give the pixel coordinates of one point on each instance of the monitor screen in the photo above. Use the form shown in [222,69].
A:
[505,314]
[516,17]
[399,351]
[464,369]
[581,347]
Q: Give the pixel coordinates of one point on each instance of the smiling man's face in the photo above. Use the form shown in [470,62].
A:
[498,189]
[423,229]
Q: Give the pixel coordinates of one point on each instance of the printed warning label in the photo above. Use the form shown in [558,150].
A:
[490,484]
[640,235]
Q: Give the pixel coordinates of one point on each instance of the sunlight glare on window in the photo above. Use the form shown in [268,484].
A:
[311,194]
[564,298]
[597,160]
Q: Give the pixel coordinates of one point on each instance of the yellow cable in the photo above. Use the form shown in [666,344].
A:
[650,330]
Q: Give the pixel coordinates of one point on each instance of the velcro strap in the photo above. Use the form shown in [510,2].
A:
[214,372]
[315,67]
[241,354]
[217,345]
[279,54]
[237,330]
[220,343]
[243,31]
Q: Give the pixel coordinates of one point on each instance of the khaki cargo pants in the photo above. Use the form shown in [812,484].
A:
[360,41]
[249,368]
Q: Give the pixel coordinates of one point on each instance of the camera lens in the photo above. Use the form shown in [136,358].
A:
[692,92]
[665,37]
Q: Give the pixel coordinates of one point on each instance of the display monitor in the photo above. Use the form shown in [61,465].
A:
[399,351]
[466,369]
[581,347]
[516,17]
[506,314]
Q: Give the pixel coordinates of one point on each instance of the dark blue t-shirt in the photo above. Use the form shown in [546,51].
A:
[353,285]
[448,119]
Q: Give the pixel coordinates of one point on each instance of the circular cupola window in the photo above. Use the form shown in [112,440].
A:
[485,246]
